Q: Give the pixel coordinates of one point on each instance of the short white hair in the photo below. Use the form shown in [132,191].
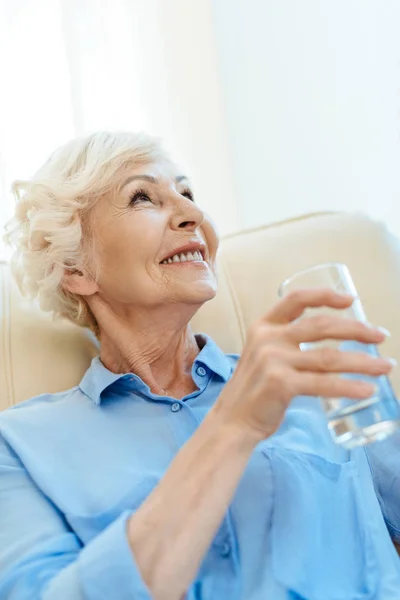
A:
[48,231]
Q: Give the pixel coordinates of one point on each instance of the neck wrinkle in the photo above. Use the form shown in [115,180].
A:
[165,366]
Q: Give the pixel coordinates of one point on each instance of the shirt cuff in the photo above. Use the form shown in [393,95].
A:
[107,568]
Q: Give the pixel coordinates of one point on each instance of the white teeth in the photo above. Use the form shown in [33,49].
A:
[189,256]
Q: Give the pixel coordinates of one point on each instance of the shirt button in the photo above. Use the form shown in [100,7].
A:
[176,407]
[225,550]
[201,371]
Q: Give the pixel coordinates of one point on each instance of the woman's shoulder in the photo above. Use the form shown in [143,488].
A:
[41,408]
[42,429]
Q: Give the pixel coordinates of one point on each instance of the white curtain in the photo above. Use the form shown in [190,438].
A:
[68,67]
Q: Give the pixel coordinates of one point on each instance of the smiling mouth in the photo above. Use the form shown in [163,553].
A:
[185,258]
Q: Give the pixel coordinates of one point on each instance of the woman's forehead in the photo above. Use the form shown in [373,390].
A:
[157,170]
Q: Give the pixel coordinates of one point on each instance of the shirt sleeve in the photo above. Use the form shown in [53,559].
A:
[42,559]
[384,462]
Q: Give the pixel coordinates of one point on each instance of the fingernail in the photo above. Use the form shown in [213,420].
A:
[370,388]
[392,361]
[385,331]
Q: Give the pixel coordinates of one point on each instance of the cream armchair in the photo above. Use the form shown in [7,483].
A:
[39,355]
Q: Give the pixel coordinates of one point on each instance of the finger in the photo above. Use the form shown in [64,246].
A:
[294,304]
[332,386]
[325,327]
[330,360]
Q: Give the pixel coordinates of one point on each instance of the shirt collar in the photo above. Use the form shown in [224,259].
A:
[97,378]
[212,357]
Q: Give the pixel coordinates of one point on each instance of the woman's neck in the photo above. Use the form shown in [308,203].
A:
[157,345]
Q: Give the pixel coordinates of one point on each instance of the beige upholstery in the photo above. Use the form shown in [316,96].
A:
[38,355]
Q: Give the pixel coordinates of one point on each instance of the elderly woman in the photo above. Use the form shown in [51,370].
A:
[173,470]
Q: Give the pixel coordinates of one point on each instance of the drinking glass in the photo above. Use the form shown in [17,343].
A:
[351,422]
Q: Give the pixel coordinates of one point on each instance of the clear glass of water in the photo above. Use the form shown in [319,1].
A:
[351,422]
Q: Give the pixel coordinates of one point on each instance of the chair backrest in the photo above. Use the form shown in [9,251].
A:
[40,355]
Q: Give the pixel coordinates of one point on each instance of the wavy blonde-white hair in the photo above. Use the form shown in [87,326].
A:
[50,230]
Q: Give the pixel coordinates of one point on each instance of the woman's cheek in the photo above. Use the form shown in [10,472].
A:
[211,235]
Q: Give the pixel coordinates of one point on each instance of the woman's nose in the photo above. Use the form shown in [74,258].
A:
[187,216]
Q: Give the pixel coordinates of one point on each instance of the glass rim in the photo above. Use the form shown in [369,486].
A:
[316,267]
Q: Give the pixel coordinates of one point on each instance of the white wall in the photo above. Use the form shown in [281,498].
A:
[311,91]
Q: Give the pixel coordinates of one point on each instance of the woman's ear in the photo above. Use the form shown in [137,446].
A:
[78,282]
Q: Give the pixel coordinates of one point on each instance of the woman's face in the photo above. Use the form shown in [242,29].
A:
[142,236]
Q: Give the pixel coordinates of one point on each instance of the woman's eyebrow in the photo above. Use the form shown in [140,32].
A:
[150,178]
[146,177]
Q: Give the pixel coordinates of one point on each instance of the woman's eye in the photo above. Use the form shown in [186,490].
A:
[188,194]
[139,196]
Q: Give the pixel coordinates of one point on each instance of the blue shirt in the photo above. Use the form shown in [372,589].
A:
[306,521]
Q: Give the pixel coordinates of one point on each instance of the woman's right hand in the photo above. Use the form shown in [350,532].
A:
[272,369]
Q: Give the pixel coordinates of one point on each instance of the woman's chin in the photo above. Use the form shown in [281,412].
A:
[191,283]
[199,292]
